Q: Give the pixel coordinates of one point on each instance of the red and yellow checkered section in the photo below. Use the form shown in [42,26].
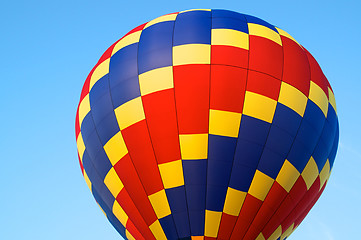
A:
[206,124]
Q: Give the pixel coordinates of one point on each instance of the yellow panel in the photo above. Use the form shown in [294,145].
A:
[119,213]
[292,98]
[234,201]
[325,173]
[191,54]
[212,221]
[286,34]
[165,18]
[157,231]
[191,10]
[332,99]
[287,176]
[276,234]
[224,123]
[115,148]
[262,31]
[84,108]
[87,180]
[113,182]
[260,237]
[130,113]
[230,37]
[156,80]
[193,146]
[287,232]
[318,96]
[172,174]
[260,185]
[126,41]
[160,204]
[259,106]
[310,172]
[81,146]
[99,72]
[129,235]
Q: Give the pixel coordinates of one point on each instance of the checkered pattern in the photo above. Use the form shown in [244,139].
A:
[206,124]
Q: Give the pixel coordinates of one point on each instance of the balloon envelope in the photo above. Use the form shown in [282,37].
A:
[206,124]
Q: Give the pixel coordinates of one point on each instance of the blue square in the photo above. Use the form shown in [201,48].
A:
[221,148]
[195,171]
[253,130]
[181,220]
[125,91]
[279,140]
[270,163]
[299,155]
[218,173]
[286,119]
[230,23]
[196,197]
[107,128]
[215,198]
[168,226]
[252,19]
[248,153]
[241,177]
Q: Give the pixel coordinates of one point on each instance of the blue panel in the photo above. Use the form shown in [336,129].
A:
[328,133]
[155,47]
[100,108]
[98,197]
[332,155]
[279,141]
[314,116]
[248,153]
[125,91]
[87,126]
[93,144]
[117,225]
[195,171]
[320,154]
[181,221]
[253,130]
[241,177]
[299,155]
[89,168]
[168,226]
[230,23]
[196,197]
[308,135]
[286,119]
[197,222]
[221,148]
[102,163]
[100,88]
[270,163]
[177,199]
[107,197]
[218,173]
[123,64]
[215,197]
[107,128]
[259,21]
[220,13]
[192,27]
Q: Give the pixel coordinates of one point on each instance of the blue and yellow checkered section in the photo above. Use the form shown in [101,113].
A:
[206,124]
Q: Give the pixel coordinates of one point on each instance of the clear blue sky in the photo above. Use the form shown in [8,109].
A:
[48,48]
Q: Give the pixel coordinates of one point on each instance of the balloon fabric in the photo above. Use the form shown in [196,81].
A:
[206,124]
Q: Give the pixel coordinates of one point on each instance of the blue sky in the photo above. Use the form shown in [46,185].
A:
[48,48]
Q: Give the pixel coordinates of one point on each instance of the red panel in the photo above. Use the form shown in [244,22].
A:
[133,230]
[77,125]
[137,137]
[226,226]
[263,84]
[161,119]
[134,187]
[265,56]
[191,83]
[249,210]
[271,203]
[126,202]
[296,70]
[317,75]
[210,238]
[227,88]
[228,55]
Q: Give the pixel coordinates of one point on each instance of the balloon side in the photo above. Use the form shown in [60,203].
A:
[206,124]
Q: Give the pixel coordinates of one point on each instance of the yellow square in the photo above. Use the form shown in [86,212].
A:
[130,113]
[286,34]
[172,174]
[113,182]
[263,31]
[310,172]
[224,123]
[156,80]
[325,173]
[319,97]
[81,146]
[260,186]
[115,148]
[234,201]
[160,204]
[292,98]
[259,106]
[101,70]
[287,176]
[84,108]
[165,18]
[87,180]
[212,221]
[193,146]
[157,231]
[332,100]
[126,41]
[191,54]
[230,37]
[129,235]
[119,213]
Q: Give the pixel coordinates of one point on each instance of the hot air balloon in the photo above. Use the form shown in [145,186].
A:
[206,124]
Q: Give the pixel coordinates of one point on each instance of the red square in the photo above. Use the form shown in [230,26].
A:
[229,55]
[263,84]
